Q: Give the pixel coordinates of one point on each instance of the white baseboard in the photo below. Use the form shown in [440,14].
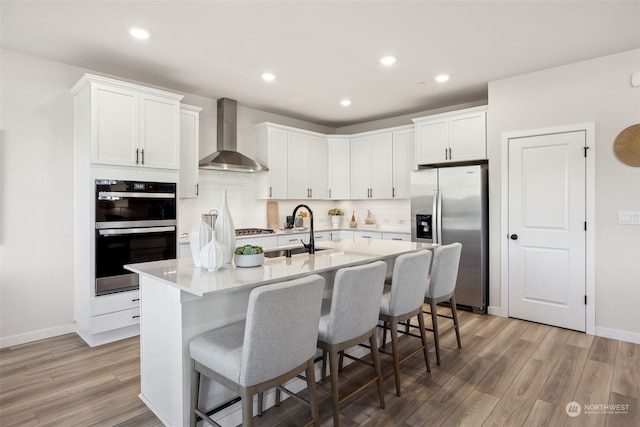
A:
[37,335]
[616,334]
[495,311]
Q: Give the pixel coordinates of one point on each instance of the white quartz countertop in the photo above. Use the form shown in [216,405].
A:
[182,274]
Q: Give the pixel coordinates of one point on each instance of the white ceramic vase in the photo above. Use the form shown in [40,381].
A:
[213,255]
[336,221]
[199,236]
[225,232]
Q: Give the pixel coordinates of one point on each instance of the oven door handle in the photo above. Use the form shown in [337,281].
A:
[109,195]
[121,231]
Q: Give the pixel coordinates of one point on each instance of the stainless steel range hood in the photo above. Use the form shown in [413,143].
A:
[227,158]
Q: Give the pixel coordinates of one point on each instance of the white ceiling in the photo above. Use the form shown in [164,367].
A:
[322,51]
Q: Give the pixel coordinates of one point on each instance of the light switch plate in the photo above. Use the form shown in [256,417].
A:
[629,217]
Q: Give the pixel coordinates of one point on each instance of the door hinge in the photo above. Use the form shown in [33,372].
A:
[585,151]
[585,300]
[585,226]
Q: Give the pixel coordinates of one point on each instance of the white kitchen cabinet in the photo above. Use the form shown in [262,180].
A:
[451,137]
[371,166]
[367,234]
[265,242]
[339,165]
[396,236]
[292,239]
[189,150]
[130,125]
[403,162]
[307,170]
[271,150]
[318,237]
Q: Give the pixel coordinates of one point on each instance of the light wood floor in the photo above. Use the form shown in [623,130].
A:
[508,373]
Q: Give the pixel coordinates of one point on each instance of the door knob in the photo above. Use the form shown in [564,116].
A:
[514,237]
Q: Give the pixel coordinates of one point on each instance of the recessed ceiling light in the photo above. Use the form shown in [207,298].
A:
[388,60]
[442,78]
[268,77]
[345,102]
[139,33]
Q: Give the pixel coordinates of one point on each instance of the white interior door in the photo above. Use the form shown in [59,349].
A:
[547,246]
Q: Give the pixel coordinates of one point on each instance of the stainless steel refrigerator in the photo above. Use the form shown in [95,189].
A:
[450,204]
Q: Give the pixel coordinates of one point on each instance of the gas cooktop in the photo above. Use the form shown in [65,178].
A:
[252,231]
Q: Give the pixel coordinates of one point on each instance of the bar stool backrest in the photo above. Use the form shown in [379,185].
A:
[355,301]
[444,271]
[281,328]
[409,282]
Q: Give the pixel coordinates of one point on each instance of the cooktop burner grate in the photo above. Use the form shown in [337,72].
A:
[252,231]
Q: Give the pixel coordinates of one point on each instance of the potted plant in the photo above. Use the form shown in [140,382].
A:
[248,256]
[336,215]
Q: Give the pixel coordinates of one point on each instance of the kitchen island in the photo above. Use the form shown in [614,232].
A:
[179,301]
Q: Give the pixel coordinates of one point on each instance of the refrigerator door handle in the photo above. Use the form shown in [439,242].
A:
[439,217]
[435,217]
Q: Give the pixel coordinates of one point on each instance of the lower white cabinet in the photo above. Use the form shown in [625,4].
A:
[116,320]
[265,242]
[396,236]
[368,234]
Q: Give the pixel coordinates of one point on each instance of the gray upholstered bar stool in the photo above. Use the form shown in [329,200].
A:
[402,301]
[349,318]
[442,287]
[275,343]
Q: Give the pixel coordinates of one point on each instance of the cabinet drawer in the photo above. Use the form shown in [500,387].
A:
[268,242]
[116,302]
[396,236]
[291,239]
[368,234]
[119,319]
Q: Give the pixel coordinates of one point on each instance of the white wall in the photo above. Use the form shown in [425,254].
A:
[598,91]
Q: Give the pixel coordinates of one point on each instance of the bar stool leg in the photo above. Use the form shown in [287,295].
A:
[335,398]
[373,343]
[313,394]
[394,352]
[436,334]
[423,335]
[454,313]
[247,407]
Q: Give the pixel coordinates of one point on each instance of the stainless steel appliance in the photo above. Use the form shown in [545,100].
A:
[135,222]
[450,204]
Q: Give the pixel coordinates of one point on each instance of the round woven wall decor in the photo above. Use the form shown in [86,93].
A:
[627,146]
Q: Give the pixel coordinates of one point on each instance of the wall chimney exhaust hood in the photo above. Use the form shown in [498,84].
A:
[227,158]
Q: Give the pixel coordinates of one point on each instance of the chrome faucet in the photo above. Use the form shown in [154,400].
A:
[312,245]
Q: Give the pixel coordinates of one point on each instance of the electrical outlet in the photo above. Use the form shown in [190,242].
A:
[385,221]
[401,221]
[626,217]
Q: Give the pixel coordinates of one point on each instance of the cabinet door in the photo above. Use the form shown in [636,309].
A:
[360,167]
[381,166]
[297,166]
[339,169]
[159,132]
[277,153]
[368,235]
[468,137]
[318,168]
[189,152]
[403,162]
[114,126]
[432,141]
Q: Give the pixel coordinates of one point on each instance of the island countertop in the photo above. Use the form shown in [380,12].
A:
[182,274]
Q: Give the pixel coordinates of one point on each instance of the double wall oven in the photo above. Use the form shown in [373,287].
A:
[135,222]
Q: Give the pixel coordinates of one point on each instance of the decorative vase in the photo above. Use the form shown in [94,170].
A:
[213,255]
[199,236]
[225,232]
[353,223]
[369,219]
[336,220]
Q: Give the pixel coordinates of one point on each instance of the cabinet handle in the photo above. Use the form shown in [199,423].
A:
[329,193]
[311,193]
[197,189]
[137,156]
[135,317]
[142,152]
[135,299]
[396,238]
[450,157]
[393,192]
[446,154]
[366,237]
[269,191]
[293,240]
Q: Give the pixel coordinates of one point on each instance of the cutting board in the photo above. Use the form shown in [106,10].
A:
[272,214]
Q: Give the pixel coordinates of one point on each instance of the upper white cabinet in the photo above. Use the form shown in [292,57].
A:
[371,166]
[271,150]
[404,144]
[451,137]
[128,124]
[339,168]
[307,170]
[189,150]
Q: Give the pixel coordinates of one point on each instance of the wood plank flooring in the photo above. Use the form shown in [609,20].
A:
[508,373]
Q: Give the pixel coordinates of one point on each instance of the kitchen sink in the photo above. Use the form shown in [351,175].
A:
[283,252]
